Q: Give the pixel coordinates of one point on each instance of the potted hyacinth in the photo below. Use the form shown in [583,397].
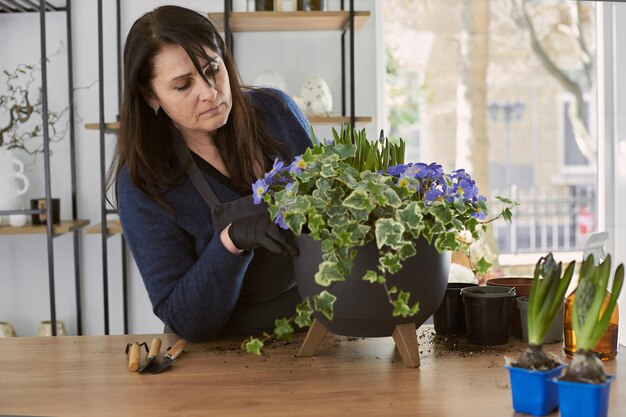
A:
[363,218]
[532,388]
[584,388]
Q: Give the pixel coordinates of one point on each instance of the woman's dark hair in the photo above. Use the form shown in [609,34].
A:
[145,142]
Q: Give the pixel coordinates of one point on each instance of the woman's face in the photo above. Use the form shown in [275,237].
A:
[193,105]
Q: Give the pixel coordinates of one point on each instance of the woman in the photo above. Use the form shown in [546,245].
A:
[192,140]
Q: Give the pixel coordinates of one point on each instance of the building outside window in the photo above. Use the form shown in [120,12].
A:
[507,90]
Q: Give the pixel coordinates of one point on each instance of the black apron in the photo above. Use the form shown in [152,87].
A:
[268,291]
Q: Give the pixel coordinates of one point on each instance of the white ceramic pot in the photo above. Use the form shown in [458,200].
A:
[317,97]
[45,328]
[11,172]
[6,330]
[271,78]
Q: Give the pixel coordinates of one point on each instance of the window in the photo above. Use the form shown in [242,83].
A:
[492,84]
[572,158]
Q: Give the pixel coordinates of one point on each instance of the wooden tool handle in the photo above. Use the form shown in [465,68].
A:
[155,347]
[177,349]
[133,357]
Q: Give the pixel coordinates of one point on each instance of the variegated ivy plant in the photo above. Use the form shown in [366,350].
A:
[350,191]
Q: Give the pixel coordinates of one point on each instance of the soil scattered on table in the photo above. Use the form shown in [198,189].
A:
[432,343]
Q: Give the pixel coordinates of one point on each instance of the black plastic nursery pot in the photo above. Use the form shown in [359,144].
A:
[488,314]
[450,316]
[522,288]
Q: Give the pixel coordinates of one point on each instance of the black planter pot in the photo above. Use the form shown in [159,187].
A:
[450,316]
[488,314]
[362,309]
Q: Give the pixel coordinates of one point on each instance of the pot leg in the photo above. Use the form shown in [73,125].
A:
[405,337]
[313,338]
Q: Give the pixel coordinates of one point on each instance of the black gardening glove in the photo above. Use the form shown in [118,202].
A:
[260,231]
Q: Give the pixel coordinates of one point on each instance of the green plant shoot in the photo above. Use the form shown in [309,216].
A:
[589,320]
[546,296]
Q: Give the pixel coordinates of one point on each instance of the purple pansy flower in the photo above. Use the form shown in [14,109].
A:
[291,189]
[280,219]
[297,165]
[271,176]
[259,188]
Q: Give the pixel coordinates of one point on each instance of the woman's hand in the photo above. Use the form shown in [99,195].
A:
[258,231]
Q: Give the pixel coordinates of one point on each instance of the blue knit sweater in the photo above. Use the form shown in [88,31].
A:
[192,280]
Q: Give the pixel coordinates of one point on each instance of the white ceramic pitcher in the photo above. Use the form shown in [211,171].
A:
[11,171]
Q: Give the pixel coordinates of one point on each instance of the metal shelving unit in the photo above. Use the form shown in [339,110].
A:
[74,224]
[112,226]
[347,21]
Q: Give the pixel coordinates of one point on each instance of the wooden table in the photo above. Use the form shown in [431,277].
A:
[88,376]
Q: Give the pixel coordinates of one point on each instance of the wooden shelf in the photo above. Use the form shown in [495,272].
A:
[108,127]
[66,226]
[13,6]
[289,21]
[338,119]
[113,227]
[114,126]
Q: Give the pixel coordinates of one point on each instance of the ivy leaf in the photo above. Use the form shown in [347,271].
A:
[442,212]
[358,233]
[507,214]
[471,223]
[459,205]
[483,266]
[391,199]
[482,206]
[316,222]
[322,186]
[446,241]
[345,151]
[348,180]
[370,276]
[328,273]
[411,215]
[389,232]
[273,210]
[437,228]
[406,251]
[324,302]
[359,200]
[401,305]
[376,188]
[283,330]
[295,221]
[391,262]
[507,201]
[303,313]
[253,345]
[328,171]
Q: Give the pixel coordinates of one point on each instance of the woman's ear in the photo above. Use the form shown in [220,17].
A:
[151,100]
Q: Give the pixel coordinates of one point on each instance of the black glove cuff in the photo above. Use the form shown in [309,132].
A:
[232,239]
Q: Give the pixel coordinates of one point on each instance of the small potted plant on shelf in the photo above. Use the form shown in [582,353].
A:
[21,129]
[532,388]
[584,387]
[363,218]
[21,109]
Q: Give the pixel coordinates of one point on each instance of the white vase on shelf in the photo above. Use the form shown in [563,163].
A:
[45,328]
[11,171]
[317,98]
[6,330]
